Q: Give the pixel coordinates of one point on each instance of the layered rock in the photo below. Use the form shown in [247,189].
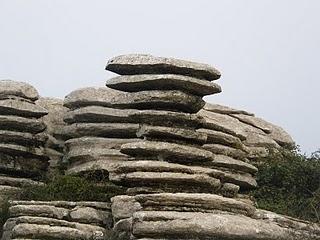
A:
[58,220]
[241,133]
[22,138]
[54,124]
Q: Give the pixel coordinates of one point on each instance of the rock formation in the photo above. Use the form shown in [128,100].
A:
[22,138]
[186,165]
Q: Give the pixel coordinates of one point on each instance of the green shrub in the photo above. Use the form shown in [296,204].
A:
[72,188]
[289,183]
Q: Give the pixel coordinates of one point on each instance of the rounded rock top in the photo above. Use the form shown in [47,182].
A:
[9,88]
[147,64]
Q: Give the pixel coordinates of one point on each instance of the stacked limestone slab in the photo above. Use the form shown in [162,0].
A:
[22,138]
[54,146]
[241,134]
[57,220]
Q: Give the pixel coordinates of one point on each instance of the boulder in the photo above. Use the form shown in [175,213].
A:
[147,82]
[9,88]
[147,64]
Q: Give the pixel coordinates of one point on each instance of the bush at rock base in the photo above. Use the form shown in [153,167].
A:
[289,183]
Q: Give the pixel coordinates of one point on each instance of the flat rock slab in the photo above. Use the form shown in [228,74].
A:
[21,108]
[217,137]
[223,123]
[167,151]
[196,225]
[225,150]
[109,130]
[178,181]
[9,88]
[169,133]
[22,138]
[17,181]
[97,114]
[147,82]
[21,124]
[147,64]
[274,132]
[259,140]
[165,100]
[125,206]
[224,109]
[228,162]
[18,150]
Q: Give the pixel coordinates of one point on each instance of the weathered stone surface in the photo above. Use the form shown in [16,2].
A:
[107,97]
[228,162]
[10,88]
[17,182]
[156,117]
[90,215]
[225,150]
[218,137]
[147,82]
[259,140]
[147,64]
[22,138]
[56,111]
[109,130]
[18,150]
[21,124]
[229,190]
[21,108]
[275,132]
[189,202]
[223,123]
[20,165]
[224,109]
[174,225]
[181,182]
[167,151]
[168,133]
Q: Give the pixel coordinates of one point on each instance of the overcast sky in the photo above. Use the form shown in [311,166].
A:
[268,50]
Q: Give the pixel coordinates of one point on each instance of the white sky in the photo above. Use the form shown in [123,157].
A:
[268,50]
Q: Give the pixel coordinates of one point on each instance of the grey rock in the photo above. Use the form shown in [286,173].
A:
[56,111]
[224,109]
[228,162]
[225,150]
[182,202]
[218,137]
[168,133]
[253,121]
[147,64]
[21,124]
[229,190]
[167,151]
[223,123]
[10,88]
[22,138]
[90,215]
[259,140]
[147,82]
[18,181]
[18,150]
[107,97]
[181,182]
[111,130]
[197,225]
[155,117]
[21,108]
